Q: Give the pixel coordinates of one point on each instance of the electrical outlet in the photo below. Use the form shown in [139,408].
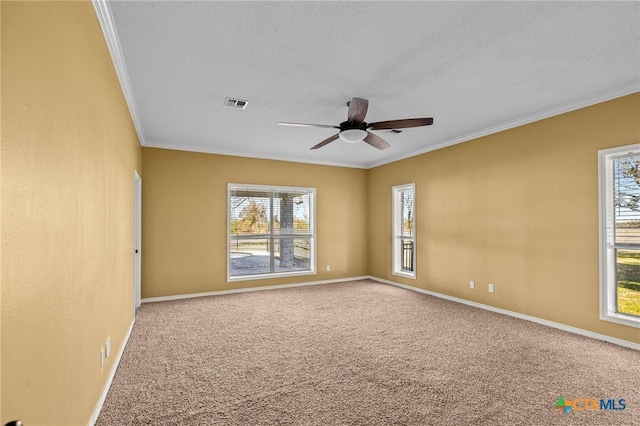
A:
[328,268]
[107,347]
[101,358]
[490,288]
[472,285]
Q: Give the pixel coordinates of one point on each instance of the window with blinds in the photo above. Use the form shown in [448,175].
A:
[620,235]
[271,231]
[404,232]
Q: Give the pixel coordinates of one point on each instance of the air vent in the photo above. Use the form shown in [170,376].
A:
[236,103]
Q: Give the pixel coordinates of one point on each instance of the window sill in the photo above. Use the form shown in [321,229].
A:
[405,274]
[269,276]
[629,320]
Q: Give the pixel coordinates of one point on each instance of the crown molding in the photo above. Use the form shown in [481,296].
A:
[103,11]
[573,106]
[618,92]
[234,153]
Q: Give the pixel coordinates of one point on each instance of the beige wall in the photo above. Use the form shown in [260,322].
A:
[69,151]
[184,216]
[518,209]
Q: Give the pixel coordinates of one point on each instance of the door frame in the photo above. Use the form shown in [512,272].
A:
[137,241]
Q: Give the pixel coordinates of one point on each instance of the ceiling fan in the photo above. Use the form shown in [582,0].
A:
[355,129]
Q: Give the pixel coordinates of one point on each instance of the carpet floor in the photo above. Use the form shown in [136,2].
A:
[360,353]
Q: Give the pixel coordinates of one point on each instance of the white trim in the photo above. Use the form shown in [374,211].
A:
[618,92]
[137,241]
[608,309]
[574,330]
[564,327]
[261,187]
[103,11]
[256,277]
[250,289]
[105,18]
[311,192]
[570,329]
[396,268]
[112,373]
[608,95]
[244,154]
[405,274]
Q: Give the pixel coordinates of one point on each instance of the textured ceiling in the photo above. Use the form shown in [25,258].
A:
[476,67]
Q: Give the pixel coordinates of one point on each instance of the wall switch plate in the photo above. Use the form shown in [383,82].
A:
[472,285]
[107,347]
[328,268]
[490,288]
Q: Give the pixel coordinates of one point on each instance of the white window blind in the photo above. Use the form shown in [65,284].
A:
[620,235]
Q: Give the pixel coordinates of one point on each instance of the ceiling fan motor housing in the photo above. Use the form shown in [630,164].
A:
[353,132]
[348,125]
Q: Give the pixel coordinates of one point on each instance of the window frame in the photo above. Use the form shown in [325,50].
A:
[273,235]
[607,251]
[396,232]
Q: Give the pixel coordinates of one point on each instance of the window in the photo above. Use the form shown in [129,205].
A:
[620,235]
[404,231]
[271,232]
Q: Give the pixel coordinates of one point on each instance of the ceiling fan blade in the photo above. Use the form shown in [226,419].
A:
[401,124]
[308,125]
[357,110]
[326,141]
[376,141]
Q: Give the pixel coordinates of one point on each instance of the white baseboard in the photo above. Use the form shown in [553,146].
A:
[557,325]
[112,373]
[248,289]
[547,323]
[564,327]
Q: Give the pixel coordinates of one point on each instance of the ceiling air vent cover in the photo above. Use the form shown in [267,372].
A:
[236,103]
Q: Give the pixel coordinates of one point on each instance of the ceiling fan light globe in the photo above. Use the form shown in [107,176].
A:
[353,135]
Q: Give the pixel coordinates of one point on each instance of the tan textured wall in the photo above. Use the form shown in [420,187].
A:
[518,209]
[69,151]
[184,216]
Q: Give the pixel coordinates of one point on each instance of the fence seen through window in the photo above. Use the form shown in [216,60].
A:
[404,233]
[271,230]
